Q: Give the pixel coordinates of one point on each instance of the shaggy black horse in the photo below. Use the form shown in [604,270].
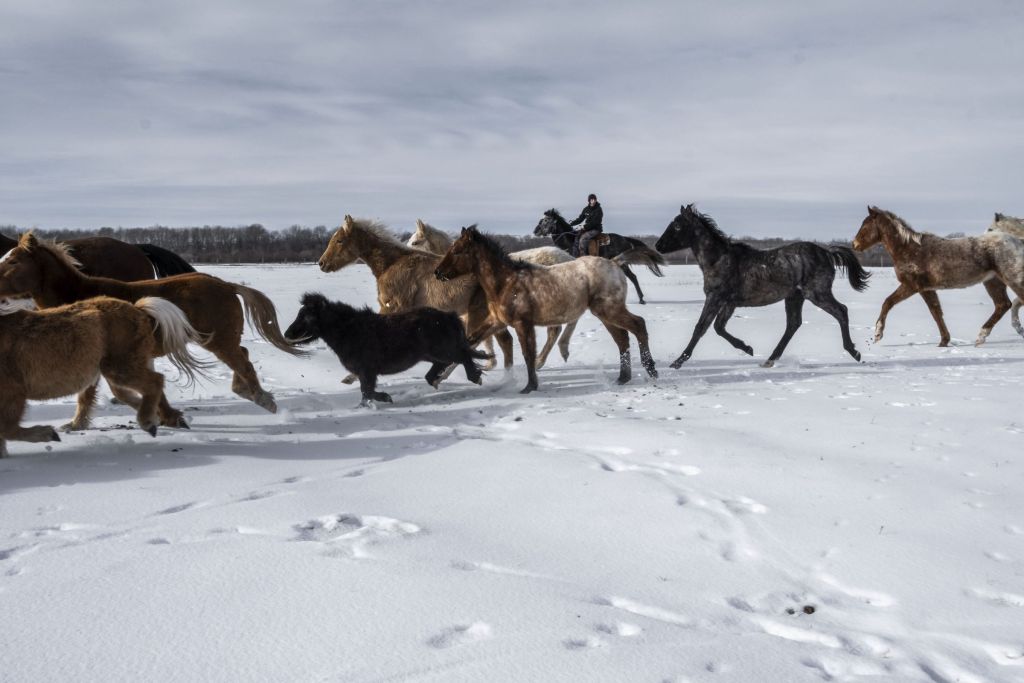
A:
[369,344]
[736,274]
[563,236]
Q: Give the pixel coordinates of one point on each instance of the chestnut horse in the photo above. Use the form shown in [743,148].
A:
[59,351]
[108,257]
[925,262]
[44,271]
[523,295]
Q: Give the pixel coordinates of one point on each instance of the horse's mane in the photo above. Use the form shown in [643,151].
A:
[556,214]
[60,251]
[497,251]
[710,225]
[906,233]
[379,230]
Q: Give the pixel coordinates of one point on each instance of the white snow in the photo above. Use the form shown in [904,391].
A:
[820,520]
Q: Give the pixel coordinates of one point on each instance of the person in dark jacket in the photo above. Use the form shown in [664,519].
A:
[591,218]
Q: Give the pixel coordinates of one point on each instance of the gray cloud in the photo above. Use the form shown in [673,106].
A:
[778,118]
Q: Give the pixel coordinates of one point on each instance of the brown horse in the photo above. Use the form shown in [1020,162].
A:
[523,295]
[925,262]
[44,271]
[405,276]
[60,351]
[108,257]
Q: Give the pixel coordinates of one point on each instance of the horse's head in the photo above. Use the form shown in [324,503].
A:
[429,238]
[681,233]
[552,224]
[871,229]
[341,250]
[461,256]
[1007,224]
[306,326]
[21,272]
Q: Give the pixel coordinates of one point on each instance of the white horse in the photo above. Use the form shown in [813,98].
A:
[431,239]
[1011,226]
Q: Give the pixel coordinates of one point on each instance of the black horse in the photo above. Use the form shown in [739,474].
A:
[369,344]
[736,274]
[563,236]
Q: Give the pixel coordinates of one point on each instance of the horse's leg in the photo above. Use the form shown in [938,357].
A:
[149,383]
[636,284]
[1015,316]
[86,401]
[828,303]
[12,406]
[616,316]
[549,343]
[711,306]
[902,293]
[724,313]
[621,339]
[935,308]
[504,339]
[528,342]
[368,389]
[997,291]
[563,341]
[244,383]
[794,318]
[169,416]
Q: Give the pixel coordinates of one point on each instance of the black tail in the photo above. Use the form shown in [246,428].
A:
[639,254]
[843,257]
[164,261]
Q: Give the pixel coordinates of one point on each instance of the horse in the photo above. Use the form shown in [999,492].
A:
[405,276]
[925,263]
[108,257]
[370,344]
[523,295]
[64,350]
[738,275]
[1011,226]
[429,238]
[607,245]
[46,272]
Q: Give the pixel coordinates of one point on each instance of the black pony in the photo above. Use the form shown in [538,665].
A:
[369,344]
[736,274]
[563,236]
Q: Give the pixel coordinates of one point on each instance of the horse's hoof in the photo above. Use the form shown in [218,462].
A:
[565,355]
[642,302]
[943,343]
[151,430]
[72,427]
[266,401]
[856,355]
[54,436]
[349,379]
[382,397]
[768,364]
[528,388]
[652,372]
[748,350]
[175,422]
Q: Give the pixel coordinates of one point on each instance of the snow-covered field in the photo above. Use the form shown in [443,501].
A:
[821,520]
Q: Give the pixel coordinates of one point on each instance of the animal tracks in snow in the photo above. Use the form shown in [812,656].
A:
[350,535]
[463,634]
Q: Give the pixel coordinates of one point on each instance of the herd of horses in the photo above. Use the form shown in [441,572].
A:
[101,308]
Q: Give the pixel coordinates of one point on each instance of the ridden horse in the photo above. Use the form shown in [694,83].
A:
[1011,226]
[925,262]
[44,271]
[59,351]
[369,344]
[429,238]
[405,276]
[108,257]
[606,245]
[523,295]
[738,275]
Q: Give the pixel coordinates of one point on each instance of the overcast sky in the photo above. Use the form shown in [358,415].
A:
[778,118]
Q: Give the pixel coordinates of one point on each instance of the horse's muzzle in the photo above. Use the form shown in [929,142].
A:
[856,246]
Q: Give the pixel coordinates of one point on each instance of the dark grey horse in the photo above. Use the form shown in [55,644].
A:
[736,274]
[563,236]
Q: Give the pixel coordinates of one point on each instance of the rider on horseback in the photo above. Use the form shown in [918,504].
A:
[591,218]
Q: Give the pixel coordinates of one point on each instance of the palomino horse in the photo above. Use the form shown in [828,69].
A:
[108,257]
[1011,226]
[738,275]
[523,295]
[60,351]
[429,238]
[926,262]
[607,245]
[405,276]
[44,271]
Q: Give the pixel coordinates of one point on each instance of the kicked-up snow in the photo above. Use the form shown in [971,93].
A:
[820,520]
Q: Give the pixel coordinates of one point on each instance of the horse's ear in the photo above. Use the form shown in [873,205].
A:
[465,231]
[420,226]
[28,240]
[872,209]
[999,216]
[682,208]
[349,221]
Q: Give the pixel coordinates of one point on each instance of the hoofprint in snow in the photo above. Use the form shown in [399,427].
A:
[822,520]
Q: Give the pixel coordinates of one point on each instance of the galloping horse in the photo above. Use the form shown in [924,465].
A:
[1011,226]
[925,262]
[429,238]
[60,351]
[736,274]
[405,276]
[51,277]
[607,245]
[108,257]
[523,295]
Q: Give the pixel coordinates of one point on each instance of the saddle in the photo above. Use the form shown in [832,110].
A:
[594,248]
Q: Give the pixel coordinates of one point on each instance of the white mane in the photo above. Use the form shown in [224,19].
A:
[903,229]
[379,230]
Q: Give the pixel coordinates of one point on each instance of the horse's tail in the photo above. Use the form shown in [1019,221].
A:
[175,332]
[165,262]
[843,257]
[262,316]
[639,254]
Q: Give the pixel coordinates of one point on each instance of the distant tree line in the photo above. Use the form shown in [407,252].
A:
[299,244]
